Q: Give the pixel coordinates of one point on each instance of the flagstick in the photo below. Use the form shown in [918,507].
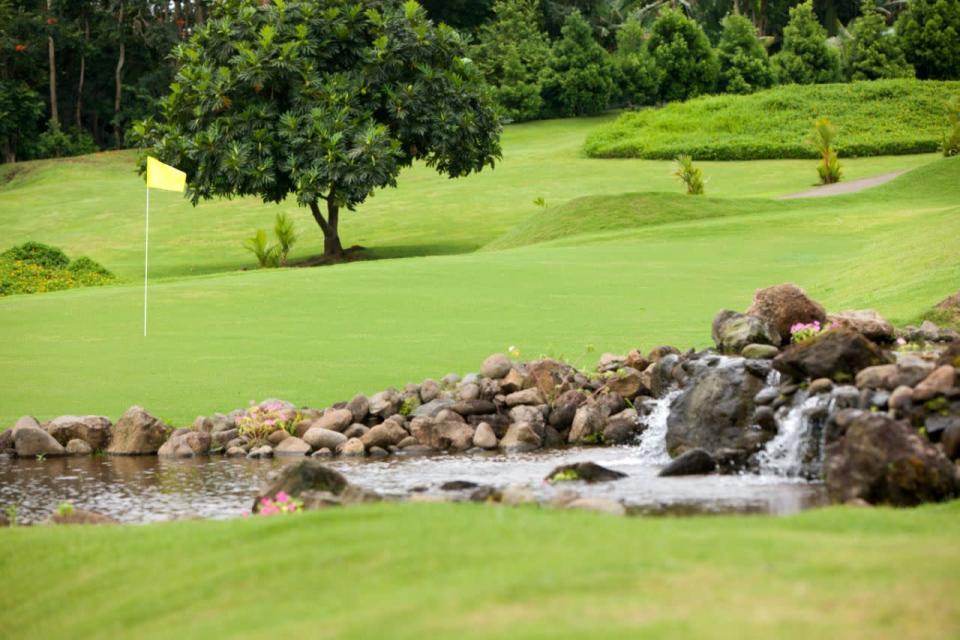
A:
[146,263]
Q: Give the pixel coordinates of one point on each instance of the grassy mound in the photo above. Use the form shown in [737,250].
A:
[37,268]
[885,117]
[474,571]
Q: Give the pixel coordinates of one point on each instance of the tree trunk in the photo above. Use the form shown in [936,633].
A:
[331,236]
[83,64]
[52,62]
[9,154]
[118,77]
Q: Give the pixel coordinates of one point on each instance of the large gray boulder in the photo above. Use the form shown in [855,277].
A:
[520,437]
[785,305]
[715,410]
[306,475]
[885,461]
[442,435]
[138,433]
[866,321]
[186,445]
[733,331]
[31,441]
[496,366]
[324,438]
[94,430]
[838,354]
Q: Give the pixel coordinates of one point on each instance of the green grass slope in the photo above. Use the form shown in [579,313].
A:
[316,336]
[874,118]
[471,571]
[93,205]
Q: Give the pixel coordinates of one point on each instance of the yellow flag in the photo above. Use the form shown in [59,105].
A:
[163,176]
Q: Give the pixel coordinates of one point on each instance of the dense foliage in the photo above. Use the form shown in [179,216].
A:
[35,268]
[883,117]
[580,75]
[806,58]
[744,64]
[324,99]
[682,52]
[874,52]
[638,76]
[930,30]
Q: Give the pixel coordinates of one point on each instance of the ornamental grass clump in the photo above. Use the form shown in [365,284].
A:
[259,421]
[690,175]
[804,331]
[824,138]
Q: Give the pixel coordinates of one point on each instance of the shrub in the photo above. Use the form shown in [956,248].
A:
[267,256]
[39,254]
[823,139]
[951,139]
[690,175]
[682,53]
[930,36]
[512,53]
[580,77]
[259,421]
[20,276]
[806,58]
[744,64]
[883,117]
[874,53]
[84,267]
[637,74]
[57,143]
[286,236]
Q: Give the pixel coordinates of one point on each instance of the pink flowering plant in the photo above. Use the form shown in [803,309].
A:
[260,420]
[803,331]
[280,504]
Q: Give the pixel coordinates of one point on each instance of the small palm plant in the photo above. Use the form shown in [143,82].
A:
[257,245]
[286,236]
[951,140]
[690,175]
[825,134]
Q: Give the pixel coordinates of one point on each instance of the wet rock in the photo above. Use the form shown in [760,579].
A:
[442,435]
[951,442]
[484,437]
[732,331]
[565,408]
[783,306]
[627,383]
[277,437]
[936,425]
[884,461]
[236,452]
[138,433]
[765,418]
[588,472]
[335,420]
[520,437]
[621,430]
[352,448]
[306,475]
[939,382]
[901,398]
[836,354]
[292,446]
[845,397]
[186,445]
[496,366]
[264,451]
[716,411]
[760,351]
[377,452]
[661,374]
[356,431]
[77,447]
[31,441]
[384,435]
[458,485]
[94,430]
[587,427]
[766,395]
[359,407]
[598,505]
[6,442]
[322,452]
[865,321]
[820,385]
[319,438]
[692,463]
[527,396]
[81,516]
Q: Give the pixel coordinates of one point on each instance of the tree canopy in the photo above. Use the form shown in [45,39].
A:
[324,99]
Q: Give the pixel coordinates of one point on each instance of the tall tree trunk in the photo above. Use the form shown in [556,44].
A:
[331,236]
[78,114]
[118,78]
[9,153]
[52,62]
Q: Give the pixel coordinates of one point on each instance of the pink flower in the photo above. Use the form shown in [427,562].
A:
[282,496]
[265,501]
[901,341]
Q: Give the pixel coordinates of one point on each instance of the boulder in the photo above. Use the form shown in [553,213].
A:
[627,382]
[513,381]
[951,355]
[138,433]
[335,420]
[549,375]
[527,396]
[951,442]
[306,475]
[383,435]
[30,441]
[264,451]
[94,430]
[783,306]
[278,436]
[429,390]
[520,437]
[352,448]
[884,461]
[292,446]
[386,403]
[939,382]
[565,409]
[323,438]
[760,351]
[588,424]
[865,321]
[484,437]
[442,435]
[908,371]
[588,472]
[715,411]
[836,354]
[692,463]
[214,424]
[186,445]
[77,447]
[25,422]
[496,366]
[356,431]
[622,429]
[359,406]
[733,331]
[476,407]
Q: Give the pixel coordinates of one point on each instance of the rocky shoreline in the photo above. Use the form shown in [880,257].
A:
[872,411]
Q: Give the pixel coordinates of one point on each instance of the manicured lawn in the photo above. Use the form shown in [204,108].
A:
[472,571]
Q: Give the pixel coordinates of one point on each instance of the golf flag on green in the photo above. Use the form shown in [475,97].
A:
[159,176]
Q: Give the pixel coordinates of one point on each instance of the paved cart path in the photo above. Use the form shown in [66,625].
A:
[841,188]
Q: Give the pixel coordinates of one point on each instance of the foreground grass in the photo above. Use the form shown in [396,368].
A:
[874,118]
[470,571]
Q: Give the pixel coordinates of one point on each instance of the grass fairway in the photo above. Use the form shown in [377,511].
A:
[470,571]
[603,272]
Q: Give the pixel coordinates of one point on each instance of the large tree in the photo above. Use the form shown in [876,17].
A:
[930,33]
[324,99]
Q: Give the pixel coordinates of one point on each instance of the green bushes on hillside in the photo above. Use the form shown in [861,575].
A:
[874,52]
[806,58]
[884,117]
[35,268]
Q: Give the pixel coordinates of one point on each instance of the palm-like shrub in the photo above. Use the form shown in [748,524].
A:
[690,176]
[744,64]
[286,236]
[874,52]
[824,137]
[806,58]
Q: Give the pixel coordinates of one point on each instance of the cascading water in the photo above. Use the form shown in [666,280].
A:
[795,449]
[653,442]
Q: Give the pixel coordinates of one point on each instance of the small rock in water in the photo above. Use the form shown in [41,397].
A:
[692,463]
[77,447]
[588,472]
[266,451]
[458,485]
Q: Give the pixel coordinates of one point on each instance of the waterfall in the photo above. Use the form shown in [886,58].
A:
[791,453]
[653,442]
